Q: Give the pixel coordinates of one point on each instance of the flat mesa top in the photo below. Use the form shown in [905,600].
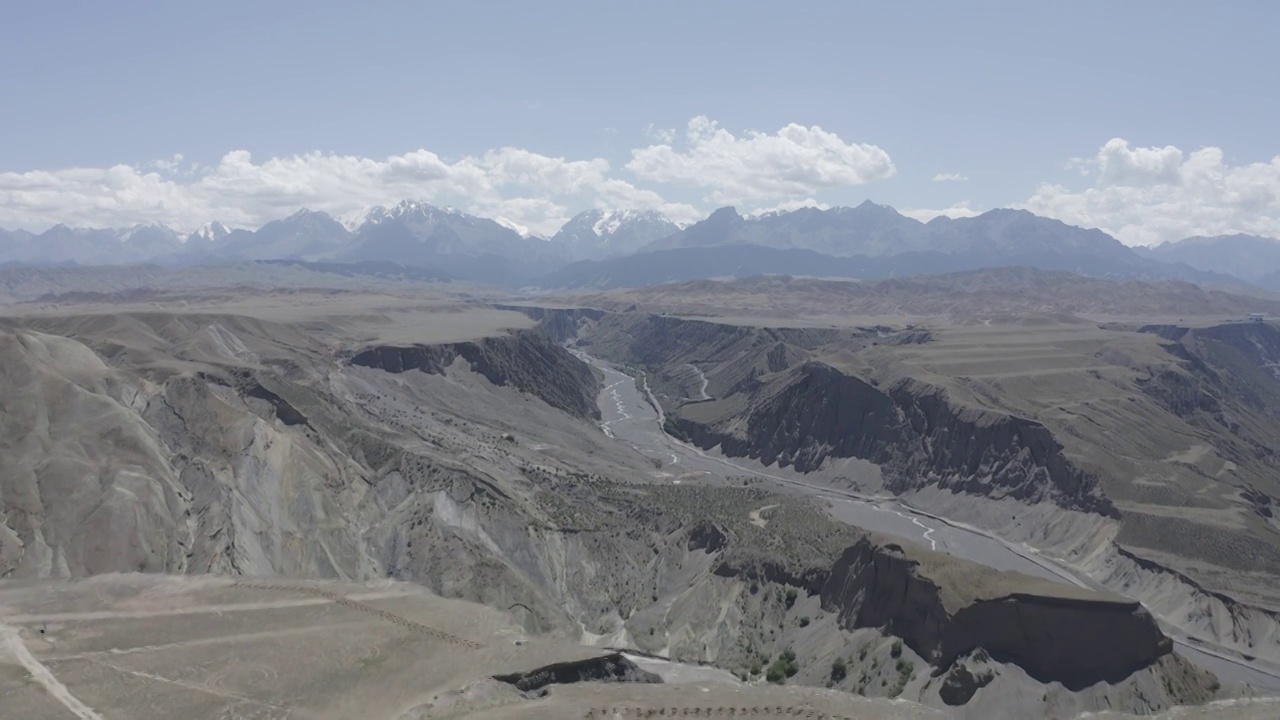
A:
[145,646]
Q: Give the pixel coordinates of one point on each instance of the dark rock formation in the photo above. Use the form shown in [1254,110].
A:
[966,678]
[606,668]
[288,414]
[913,430]
[944,610]
[528,361]
[707,537]
[768,567]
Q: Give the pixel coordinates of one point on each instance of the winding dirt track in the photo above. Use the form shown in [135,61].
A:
[46,679]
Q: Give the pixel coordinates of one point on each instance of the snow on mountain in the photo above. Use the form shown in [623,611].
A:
[596,234]
[447,239]
[522,230]
[210,232]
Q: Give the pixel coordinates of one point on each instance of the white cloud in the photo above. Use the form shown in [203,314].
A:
[1148,195]
[958,210]
[170,164]
[796,161]
[666,136]
[526,188]
[620,194]
[949,177]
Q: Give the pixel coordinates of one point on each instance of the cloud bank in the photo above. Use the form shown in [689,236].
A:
[957,210]
[1149,195]
[526,188]
[796,161]
[1142,195]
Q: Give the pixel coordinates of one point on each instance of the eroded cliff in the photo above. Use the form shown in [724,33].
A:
[945,610]
[913,430]
[528,361]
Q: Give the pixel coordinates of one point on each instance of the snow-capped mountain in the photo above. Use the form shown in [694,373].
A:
[210,232]
[597,234]
[421,234]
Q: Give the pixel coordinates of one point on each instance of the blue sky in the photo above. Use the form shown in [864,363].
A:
[534,111]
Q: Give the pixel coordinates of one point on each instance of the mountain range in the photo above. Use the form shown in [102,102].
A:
[875,241]
[626,248]
[1249,257]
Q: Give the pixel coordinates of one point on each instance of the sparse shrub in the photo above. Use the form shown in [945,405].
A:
[896,649]
[804,621]
[906,669]
[839,671]
[783,668]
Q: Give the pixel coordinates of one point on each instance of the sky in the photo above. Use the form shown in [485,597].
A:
[1151,120]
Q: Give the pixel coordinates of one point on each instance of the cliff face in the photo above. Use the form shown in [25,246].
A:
[528,361]
[1071,637]
[558,324]
[912,430]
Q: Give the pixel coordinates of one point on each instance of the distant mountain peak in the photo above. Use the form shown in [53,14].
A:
[212,231]
[600,233]
[411,210]
[146,229]
[724,213]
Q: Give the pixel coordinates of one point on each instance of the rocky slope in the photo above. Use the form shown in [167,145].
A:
[777,402]
[1139,454]
[912,430]
[228,444]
